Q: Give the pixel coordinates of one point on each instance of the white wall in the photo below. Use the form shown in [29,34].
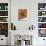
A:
[32,7]
[21,4]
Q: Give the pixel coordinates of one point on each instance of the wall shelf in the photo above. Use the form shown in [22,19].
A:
[3,22]
[42,16]
[41,28]
[41,22]
[4,19]
[3,10]
[42,19]
[3,16]
[41,10]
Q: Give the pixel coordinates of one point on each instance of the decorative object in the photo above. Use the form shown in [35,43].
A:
[41,13]
[41,19]
[13,27]
[6,7]
[3,13]
[4,29]
[22,13]
[4,26]
[0,7]
[42,32]
[42,25]
[31,27]
[41,6]
[3,19]
[3,6]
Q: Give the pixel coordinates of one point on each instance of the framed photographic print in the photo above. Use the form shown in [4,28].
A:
[22,13]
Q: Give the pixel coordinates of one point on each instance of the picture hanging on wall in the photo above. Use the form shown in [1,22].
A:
[22,13]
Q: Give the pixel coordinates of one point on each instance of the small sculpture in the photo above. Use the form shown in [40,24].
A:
[31,27]
[13,27]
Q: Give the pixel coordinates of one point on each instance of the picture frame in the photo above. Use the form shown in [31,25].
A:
[22,14]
